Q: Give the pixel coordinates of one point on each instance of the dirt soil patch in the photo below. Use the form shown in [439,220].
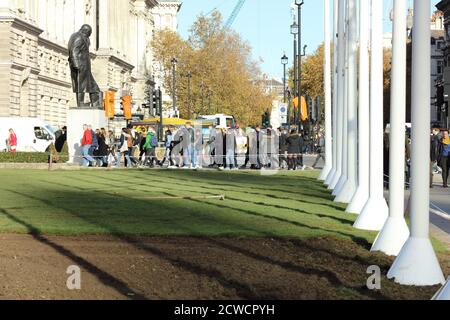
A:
[34,267]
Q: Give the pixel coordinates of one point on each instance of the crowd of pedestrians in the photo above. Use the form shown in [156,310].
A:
[189,147]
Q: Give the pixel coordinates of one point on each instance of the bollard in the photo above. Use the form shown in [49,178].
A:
[50,162]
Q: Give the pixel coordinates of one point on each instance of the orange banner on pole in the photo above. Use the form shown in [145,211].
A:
[126,104]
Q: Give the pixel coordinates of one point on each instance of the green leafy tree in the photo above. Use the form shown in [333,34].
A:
[224,78]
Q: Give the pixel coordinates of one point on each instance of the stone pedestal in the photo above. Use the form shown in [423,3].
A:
[76,118]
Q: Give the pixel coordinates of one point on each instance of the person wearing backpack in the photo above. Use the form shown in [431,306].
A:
[151,142]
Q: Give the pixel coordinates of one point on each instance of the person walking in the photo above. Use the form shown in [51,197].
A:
[123,148]
[112,147]
[295,147]
[168,145]
[434,152]
[61,139]
[102,151]
[219,143]
[12,141]
[230,147]
[444,157]
[283,148]
[211,147]
[151,142]
[189,157]
[86,145]
[320,149]
[198,149]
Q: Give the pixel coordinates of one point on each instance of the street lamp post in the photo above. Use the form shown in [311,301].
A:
[174,82]
[294,32]
[299,5]
[284,62]
[189,76]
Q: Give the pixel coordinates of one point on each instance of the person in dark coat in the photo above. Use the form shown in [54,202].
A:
[102,151]
[220,148]
[295,148]
[80,66]
[61,139]
[444,158]
[283,147]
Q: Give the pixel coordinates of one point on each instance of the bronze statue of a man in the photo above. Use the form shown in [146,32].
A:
[80,65]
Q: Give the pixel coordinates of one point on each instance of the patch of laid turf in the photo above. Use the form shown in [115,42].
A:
[288,204]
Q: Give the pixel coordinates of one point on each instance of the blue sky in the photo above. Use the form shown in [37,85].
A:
[265,25]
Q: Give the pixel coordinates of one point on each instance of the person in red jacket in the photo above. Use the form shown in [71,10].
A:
[86,144]
[12,141]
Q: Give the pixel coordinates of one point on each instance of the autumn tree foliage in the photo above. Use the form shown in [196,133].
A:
[224,78]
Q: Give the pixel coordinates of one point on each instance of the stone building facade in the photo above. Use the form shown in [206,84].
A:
[34,68]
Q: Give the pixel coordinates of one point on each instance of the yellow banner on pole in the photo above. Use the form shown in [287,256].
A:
[304,108]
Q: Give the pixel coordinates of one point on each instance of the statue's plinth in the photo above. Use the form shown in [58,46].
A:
[76,118]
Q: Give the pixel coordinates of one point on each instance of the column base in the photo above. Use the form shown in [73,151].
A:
[337,189]
[330,177]
[347,192]
[334,180]
[417,265]
[323,176]
[393,237]
[358,202]
[373,216]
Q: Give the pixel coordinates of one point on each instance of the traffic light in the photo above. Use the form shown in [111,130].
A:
[154,105]
[126,107]
[109,104]
[266,119]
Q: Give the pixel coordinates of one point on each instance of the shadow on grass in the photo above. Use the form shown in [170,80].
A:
[228,197]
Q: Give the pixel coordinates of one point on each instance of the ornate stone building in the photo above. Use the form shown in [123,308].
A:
[34,67]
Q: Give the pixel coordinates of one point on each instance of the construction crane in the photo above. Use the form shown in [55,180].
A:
[234,14]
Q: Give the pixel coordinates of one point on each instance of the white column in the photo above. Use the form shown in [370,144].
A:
[417,263]
[348,190]
[375,212]
[395,232]
[362,194]
[51,19]
[340,95]
[327,85]
[335,91]
[344,123]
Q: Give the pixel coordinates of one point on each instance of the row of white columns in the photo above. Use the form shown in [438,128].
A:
[354,131]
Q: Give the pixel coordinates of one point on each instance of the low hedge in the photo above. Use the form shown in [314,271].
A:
[24,157]
[32,157]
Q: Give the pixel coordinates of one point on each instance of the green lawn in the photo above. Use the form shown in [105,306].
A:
[114,202]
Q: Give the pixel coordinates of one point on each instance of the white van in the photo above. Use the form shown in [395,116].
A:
[222,121]
[33,134]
